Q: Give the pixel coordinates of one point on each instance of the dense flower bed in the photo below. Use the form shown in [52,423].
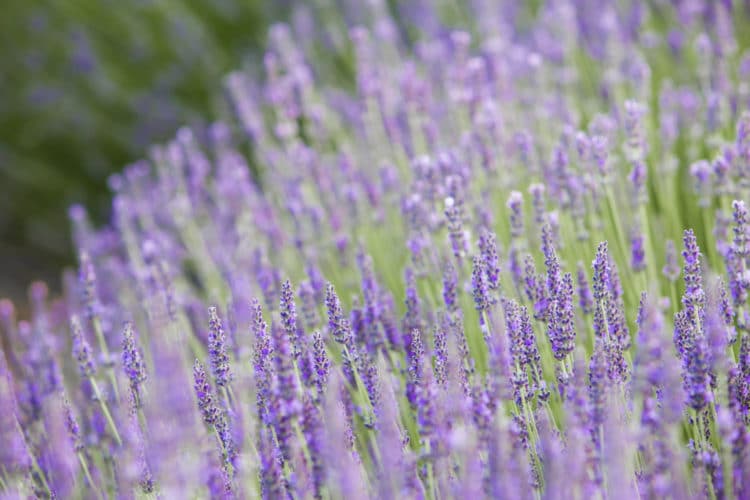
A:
[511,264]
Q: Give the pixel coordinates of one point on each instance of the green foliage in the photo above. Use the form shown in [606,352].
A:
[86,87]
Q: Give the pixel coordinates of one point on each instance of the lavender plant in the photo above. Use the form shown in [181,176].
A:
[511,263]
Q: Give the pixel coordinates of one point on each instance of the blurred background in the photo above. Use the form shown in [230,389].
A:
[85,88]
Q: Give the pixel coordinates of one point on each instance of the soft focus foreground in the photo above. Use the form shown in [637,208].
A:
[511,264]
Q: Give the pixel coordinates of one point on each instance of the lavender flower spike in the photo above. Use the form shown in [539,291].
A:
[217,349]
[694,297]
[132,362]
[82,349]
[210,413]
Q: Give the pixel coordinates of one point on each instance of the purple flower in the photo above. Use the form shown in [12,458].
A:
[132,362]
[694,297]
[515,205]
[671,268]
[637,179]
[488,251]
[87,278]
[602,285]
[450,285]
[210,412]
[217,349]
[550,261]
[561,328]
[738,254]
[338,326]
[312,429]
[285,408]
[637,254]
[413,315]
[454,216]
[288,313]
[538,202]
[440,353]
[263,354]
[479,286]
[81,349]
[321,362]
[307,298]
[585,299]
[415,361]
[74,430]
[692,346]
[272,484]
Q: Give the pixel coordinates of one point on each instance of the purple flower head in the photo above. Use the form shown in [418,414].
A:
[740,247]
[286,406]
[598,385]
[338,326]
[217,349]
[450,285]
[87,278]
[600,152]
[694,297]
[561,328]
[479,286]
[288,312]
[538,202]
[454,215]
[132,361]
[415,360]
[307,298]
[312,429]
[585,299]
[550,261]
[413,315]
[74,430]
[515,205]
[671,267]
[602,272]
[742,145]
[738,257]
[583,145]
[634,129]
[81,349]
[692,346]
[534,288]
[701,172]
[210,412]
[262,361]
[488,250]
[320,361]
[637,179]
[440,350]
[608,318]
[272,483]
[637,253]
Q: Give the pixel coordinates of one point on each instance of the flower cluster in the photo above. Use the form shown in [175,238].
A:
[460,277]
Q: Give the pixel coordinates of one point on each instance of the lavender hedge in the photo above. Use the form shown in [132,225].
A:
[513,263]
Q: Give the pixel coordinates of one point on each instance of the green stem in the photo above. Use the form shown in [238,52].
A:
[87,473]
[105,410]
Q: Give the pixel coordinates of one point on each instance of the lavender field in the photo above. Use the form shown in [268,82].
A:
[507,257]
